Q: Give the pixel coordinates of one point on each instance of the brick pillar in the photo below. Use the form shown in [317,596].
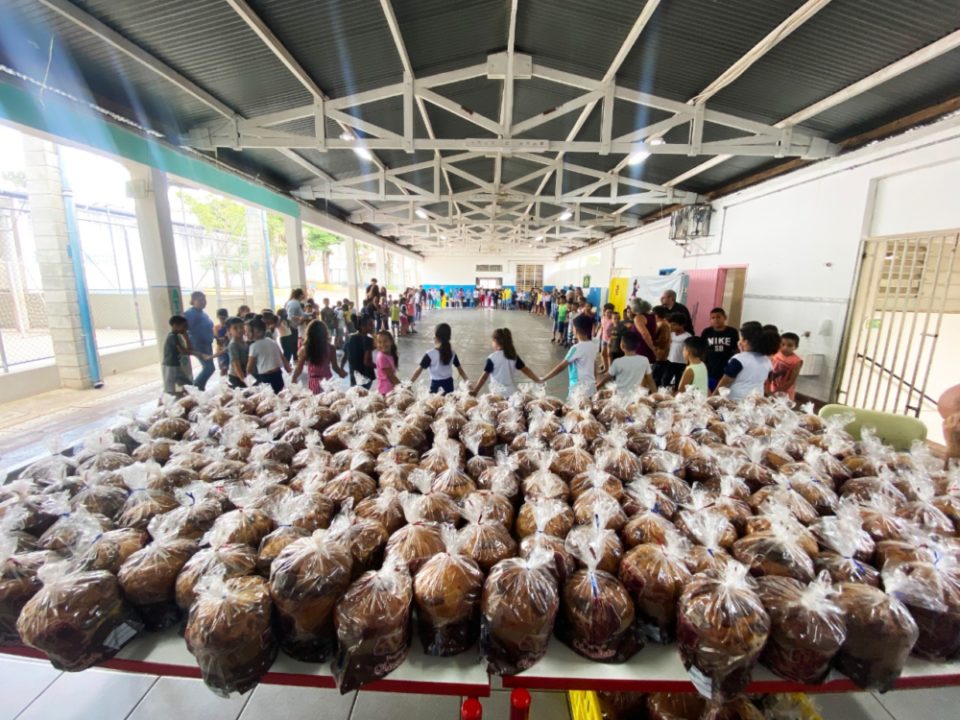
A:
[64,285]
[261,292]
[150,192]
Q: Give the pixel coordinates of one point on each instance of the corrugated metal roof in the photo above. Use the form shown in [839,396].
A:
[442,35]
[206,41]
[347,47]
[846,41]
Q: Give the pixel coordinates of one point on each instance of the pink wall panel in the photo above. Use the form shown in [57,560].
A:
[704,292]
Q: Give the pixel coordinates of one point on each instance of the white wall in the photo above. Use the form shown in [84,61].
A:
[800,235]
[462,269]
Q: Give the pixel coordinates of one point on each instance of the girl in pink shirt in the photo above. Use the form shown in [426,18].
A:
[386,363]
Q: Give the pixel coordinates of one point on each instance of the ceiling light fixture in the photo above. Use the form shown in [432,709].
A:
[421,213]
[566,216]
[539,238]
[638,157]
[360,150]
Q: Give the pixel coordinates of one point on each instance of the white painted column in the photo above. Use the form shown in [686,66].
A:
[261,291]
[293,232]
[353,286]
[381,267]
[61,266]
[150,192]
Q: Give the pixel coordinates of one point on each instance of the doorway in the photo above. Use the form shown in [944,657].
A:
[903,330]
[489,283]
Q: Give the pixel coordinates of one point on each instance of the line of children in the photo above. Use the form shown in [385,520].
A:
[629,370]
[440,362]
[503,364]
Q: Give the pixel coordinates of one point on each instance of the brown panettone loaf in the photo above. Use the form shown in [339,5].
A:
[518,609]
[774,552]
[349,484]
[19,581]
[100,499]
[366,538]
[571,462]
[243,525]
[599,506]
[225,561]
[274,543]
[647,527]
[707,526]
[595,478]
[845,569]
[487,542]
[931,592]
[447,592]
[675,706]
[548,516]
[306,580]
[489,505]
[397,477]
[199,508]
[598,617]
[655,576]
[77,618]
[149,576]
[605,542]
[806,628]
[641,496]
[373,626]
[230,632]
[880,635]
[385,508]
[111,549]
[721,629]
[563,564]
[415,543]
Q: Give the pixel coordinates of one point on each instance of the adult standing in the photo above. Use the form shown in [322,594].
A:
[372,290]
[669,301]
[295,319]
[200,332]
[645,327]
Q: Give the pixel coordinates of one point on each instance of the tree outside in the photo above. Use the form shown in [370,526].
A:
[318,244]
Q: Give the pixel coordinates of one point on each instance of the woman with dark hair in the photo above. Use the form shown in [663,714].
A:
[645,327]
[296,318]
[440,362]
[503,363]
[748,370]
[319,356]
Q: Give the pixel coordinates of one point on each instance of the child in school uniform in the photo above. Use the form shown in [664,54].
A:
[503,364]
[697,374]
[629,370]
[386,362]
[266,358]
[746,372]
[238,352]
[440,362]
[675,358]
[221,339]
[581,359]
[176,358]
[786,367]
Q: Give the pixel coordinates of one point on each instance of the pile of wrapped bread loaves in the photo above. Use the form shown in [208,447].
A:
[331,526]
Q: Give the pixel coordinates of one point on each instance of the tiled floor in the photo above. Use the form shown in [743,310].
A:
[34,690]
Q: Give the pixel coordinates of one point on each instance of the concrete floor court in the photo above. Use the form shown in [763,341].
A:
[29,426]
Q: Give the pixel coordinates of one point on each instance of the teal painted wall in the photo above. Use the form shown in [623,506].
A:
[65,119]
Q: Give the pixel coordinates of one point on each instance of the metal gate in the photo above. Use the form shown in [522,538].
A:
[907,285]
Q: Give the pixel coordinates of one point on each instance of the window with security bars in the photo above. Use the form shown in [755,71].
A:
[901,274]
[529,276]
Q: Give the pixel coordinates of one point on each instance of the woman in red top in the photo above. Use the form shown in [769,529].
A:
[645,326]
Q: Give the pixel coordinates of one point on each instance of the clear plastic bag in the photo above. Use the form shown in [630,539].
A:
[225,561]
[306,580]
[373,626]
[77,618]
[19,581]
[931,592]
[776,551]
[108,551]
[598,614]
[880,636]
[418,540]
[546,515]
[385,508]
[447,591]
[230,633]
[430,505]
[518,609]
[148,578]
[614,457]
[721,629]
[595,504]
[655,576]
[365,537]
[807,627]
[145,500]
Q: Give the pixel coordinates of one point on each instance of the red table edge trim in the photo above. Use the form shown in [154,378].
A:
[759,687]
[276,678]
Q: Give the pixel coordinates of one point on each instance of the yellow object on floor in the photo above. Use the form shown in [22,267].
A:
[584,705]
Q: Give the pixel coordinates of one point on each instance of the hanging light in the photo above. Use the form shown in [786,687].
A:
[421,213]
[360,150]
[566,216]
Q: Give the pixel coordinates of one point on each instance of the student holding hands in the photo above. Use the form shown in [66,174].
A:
[440,362]
[581,358]
[503,364]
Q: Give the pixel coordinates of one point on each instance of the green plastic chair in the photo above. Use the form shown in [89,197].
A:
[898,431]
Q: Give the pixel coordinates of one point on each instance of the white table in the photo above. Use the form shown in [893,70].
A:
[658,668]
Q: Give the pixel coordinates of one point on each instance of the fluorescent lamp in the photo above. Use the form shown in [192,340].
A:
[656,141]
[566,216]
[363,153]
[347,136]
[638,157]
[421,213]
[539,238]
